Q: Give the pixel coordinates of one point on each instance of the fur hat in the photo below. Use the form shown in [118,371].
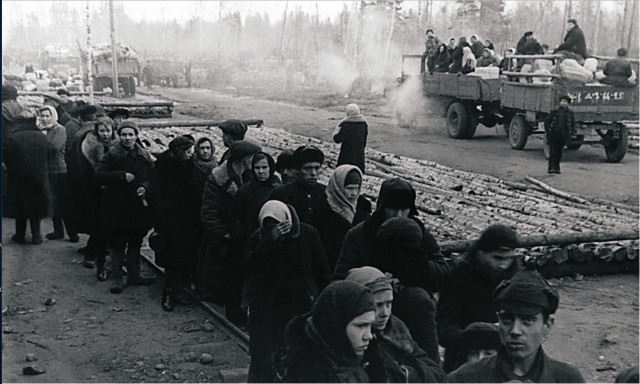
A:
[285,160]
[181,143]
[497,236]
[400,231]
[128,124]
[397,193]
[307,154]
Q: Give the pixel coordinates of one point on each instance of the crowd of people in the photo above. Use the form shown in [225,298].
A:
[465,56]
[329,290]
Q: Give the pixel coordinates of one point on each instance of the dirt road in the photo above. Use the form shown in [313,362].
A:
[585,171]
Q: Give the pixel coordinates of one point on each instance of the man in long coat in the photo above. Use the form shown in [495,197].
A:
[559,125]
[574,40]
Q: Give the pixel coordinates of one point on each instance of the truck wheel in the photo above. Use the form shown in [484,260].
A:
[617,148]
[472,122]
[574,145]
[545,147]
[457,121]
[518,132]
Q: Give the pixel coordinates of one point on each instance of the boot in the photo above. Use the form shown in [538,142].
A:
[21,229]
[36,237]
[133,269]
[168,301]
[58,229]
[116,277]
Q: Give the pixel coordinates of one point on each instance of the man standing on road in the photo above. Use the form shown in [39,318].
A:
[526,304]
[559,125]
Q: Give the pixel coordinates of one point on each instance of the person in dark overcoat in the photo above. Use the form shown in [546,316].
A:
[26,157]
[285,166]
[476,46]
[352,132]
[442,59]
[341,209]
[394,240]
[173,194]
[466,294]
[285,269]
[124,211]
[618,71]
[456,56]
[252,195]
[559,125]
[406,361]
[574,40]
[11,109]
[86,152]
[219,266]
[305,189]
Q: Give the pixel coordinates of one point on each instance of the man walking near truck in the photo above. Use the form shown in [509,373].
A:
[559,125]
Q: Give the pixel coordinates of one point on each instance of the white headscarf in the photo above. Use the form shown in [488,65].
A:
[468,58]
[54,118]
[276,210]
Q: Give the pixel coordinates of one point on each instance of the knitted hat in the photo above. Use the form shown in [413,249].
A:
[235,128]
[480,336]
[181,143]
[9,92]
[128,124]
[497,236]
[307,154]
[527,293]
[400,231]
[242,148]
[371,278]
[353,177]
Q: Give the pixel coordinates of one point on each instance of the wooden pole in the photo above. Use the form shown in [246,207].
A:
[284,23]
[556,192]
[89,56]
[193,123]
[632,23]
[114,51]
[550,239]
[386,50]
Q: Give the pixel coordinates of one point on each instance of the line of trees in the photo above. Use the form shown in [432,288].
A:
[370,35]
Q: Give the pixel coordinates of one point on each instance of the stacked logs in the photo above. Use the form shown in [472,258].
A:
[456,205]
[634,134]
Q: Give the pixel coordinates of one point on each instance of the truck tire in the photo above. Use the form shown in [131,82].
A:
[472,121]
[518,132]
[457,121]
[574,145]
[616,149]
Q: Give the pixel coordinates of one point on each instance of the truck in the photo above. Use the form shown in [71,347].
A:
[58,61]
[521,107]
[129,70]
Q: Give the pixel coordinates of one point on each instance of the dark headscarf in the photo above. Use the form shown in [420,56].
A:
[336,306]
[261,156]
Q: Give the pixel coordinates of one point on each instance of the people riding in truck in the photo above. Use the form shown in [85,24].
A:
[574,41]
[618,71]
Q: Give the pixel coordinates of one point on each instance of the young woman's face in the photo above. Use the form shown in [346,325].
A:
[359,332]
[128,137]
[441,49]
[261,170]
[104,132]
[45,117]
[352,191]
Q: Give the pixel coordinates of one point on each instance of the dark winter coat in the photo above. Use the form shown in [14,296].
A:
[618,72]
[332,227]
[26,157]
[431,45]
[309,360]
[173,195]
[487,61]
[560,124]
[353,136]
[442,61]
[574,42]
[121,208]
[477,48]
[220,261]
[496,369]
[282,279]
[10,110]
[529,47]
[72,128]
[250,199]
[299,196]
[412,363]
[456,58]
[83,157]
[466,297]
[362,248]
[57,137]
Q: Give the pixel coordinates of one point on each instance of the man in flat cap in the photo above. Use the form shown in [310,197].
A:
[559,126]
[466,295]
[220,278]
[526,304]
[305,189]
[232,131]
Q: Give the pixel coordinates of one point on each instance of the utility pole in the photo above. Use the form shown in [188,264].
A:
[89,56]
[114,52]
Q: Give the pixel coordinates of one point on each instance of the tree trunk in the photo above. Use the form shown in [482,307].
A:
[596,31]
[632,23]
[284,22]
[624,23]
[386,50]
[316,43]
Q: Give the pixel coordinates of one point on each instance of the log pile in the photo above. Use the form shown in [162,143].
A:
[634,134]
[457,205]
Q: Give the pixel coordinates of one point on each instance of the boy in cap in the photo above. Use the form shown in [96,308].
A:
[220,277]
[404,360]
[526,304]
[300,194]
[394,240]
[466,295]
[560,126]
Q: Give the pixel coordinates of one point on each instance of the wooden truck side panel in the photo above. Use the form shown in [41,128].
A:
[461,86]
[528,97]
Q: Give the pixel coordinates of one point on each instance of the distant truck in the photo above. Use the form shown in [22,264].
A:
[129,70]
[58,61]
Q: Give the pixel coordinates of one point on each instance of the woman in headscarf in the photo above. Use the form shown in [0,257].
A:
[86,152]
[342,208]
[204,161]
[285,269]
[352,132]
[468,61]
[443,59]
[252,195]
[329,344]
[57,137]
